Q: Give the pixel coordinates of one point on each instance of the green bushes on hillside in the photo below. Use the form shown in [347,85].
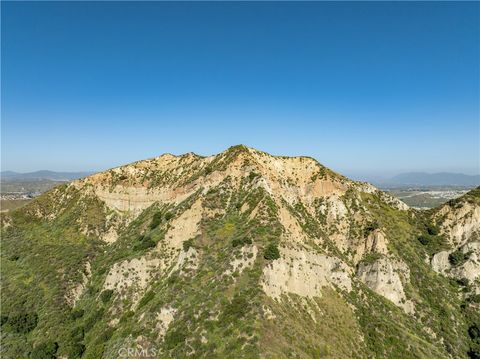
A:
[175,337]
[271,252]
[75,350]
[77,313]
[106,295]
[144,242]
[187,244]
[432,229]
[474,333]
[425,240]
[45,350]
[22,323]
[370,227]
[240,242]
[457,258]
[156,220]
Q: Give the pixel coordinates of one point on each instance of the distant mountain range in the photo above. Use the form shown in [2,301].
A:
[422,179]
[42,175]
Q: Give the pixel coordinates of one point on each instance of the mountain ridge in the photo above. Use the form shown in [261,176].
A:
[239,254]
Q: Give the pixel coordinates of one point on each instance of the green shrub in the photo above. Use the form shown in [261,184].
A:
[93,319]
[424,239]
[474,298]
[127,315]
[370,227]
[156,220]
[463,282]
[105,335]
[187,244]
[241,242]
[252,175]
[236,309]
[3,319]
[77,333]
[474,352]
[77,313]
[432,229]
[45,350]
[168,216]
[106,295]
[75,350]
[175,337]
[371,257]
[271,252]
[144,242]
[457,258]
[474,331]
[23,323]
[146,298]
[95,352]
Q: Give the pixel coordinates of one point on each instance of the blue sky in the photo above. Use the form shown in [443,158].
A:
[366,88]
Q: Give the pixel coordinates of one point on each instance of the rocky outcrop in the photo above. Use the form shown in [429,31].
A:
[163,319]
[459,222]
[469,269]
[375,242]
[130,278]
[305,274]
[384,276]
[76,292]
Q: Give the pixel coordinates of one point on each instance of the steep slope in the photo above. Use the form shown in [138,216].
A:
[242,254]
[459,223]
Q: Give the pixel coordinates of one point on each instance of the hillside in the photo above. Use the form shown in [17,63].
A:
[239,255]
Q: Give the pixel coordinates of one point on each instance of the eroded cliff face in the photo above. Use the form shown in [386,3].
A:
[313,207]
[467,267]
[168,179]
[194,251]
[385,276]
[459,223]
[305,274]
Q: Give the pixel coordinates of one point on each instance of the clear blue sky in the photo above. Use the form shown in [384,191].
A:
[372,87]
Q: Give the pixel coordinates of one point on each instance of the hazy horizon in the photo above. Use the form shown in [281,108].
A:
[365,88]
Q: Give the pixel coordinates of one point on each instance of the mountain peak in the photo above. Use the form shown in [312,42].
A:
[163,178]
[182,253]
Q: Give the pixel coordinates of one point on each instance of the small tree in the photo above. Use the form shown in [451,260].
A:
[457,258]
[45,350]
[77,313]
[144,243]
[474,331]
[106,295]
[431,229]
[271,252]
[23,323]
[187,244]
[156,220]
[424,239]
